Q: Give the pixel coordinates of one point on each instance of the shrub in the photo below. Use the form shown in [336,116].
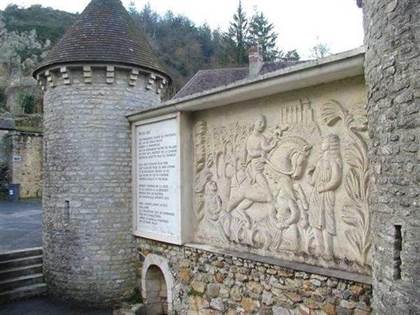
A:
[2,100]
[27,102]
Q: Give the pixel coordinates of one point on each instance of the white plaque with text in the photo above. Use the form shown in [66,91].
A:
[157,180]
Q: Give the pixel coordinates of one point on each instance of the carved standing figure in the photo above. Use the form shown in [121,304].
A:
[212,209]
[326,178]
[212,201]
[257,149]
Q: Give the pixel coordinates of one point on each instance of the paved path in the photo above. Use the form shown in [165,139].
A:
[20,224]
[20,227]
[45,306]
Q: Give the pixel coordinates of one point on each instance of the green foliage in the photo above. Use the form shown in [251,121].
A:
[135,297]
[258,31]
[2,99]
[237,36]
[183,47]
[27,102]
[27,52]
[27,34]
[147,20]
[4,179]
[262,33]
[192,292]
[48,23]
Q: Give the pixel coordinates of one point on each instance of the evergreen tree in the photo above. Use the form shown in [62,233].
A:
[237,36]
[182,46]
[262,33]
[132,8]
[204,37]
[148,20]
[222,50]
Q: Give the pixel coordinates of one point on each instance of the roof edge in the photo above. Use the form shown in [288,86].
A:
[332,68]
[190,81]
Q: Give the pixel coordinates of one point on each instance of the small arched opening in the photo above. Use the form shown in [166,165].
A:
[156,291]
[157,284]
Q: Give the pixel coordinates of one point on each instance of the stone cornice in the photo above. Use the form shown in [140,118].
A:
[64,74]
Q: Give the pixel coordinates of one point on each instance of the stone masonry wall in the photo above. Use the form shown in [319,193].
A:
[26,163]
[87,223]
[209,283]
[392,74]
[4,162]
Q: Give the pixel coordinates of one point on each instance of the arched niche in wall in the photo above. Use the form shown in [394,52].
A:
[157,284]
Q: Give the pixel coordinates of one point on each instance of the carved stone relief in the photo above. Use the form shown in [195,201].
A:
[356,213]
[283,188]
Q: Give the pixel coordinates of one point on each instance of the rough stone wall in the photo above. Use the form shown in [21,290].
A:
[87,223]
[209,283]
[26,163]
[392,67]
[17,89]
[4,162]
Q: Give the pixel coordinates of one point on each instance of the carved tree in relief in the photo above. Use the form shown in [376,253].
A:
[200,131]
[357,181]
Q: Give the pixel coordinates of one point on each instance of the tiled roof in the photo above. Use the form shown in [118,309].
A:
[274,66]
[205,80]
[104,33]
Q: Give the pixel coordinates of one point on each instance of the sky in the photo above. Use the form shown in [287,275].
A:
[300,24]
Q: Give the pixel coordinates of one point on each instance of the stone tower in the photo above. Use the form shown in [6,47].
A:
[392,29]
[102,69]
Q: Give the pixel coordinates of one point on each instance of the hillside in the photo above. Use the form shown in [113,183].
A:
[183,47]
[48,23]
[26,35]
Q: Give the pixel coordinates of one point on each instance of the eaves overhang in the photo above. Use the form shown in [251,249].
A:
[321,71]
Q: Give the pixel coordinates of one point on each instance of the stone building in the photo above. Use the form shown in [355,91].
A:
[21,136]
[20,104]
[101,69]
[25,162]
[276,189]
[20,159]
[392,39]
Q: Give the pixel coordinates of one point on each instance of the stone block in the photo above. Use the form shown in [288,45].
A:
[250,305]
[213,290]
[279,310]
[217,304]
[198,286]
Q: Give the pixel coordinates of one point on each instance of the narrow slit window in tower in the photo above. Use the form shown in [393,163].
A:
[397,251]
[66,211]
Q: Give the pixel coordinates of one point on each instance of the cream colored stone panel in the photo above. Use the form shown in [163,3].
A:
[287,176]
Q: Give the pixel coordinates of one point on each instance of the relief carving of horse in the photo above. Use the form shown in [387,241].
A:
[261,224]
